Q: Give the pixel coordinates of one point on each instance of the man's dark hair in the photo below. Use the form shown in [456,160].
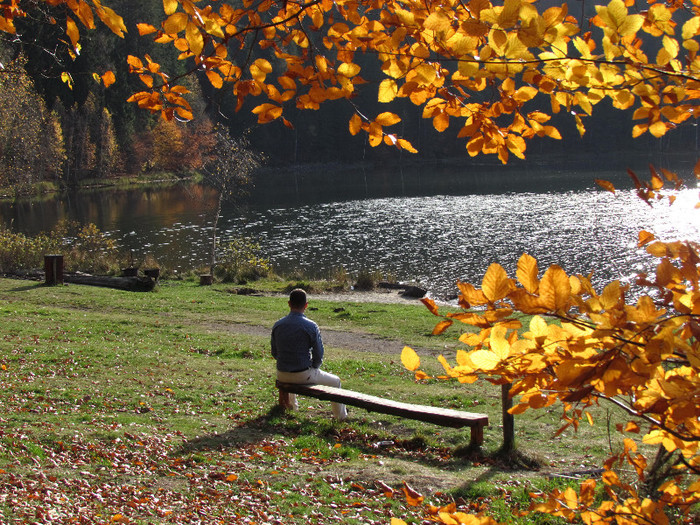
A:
[297,298]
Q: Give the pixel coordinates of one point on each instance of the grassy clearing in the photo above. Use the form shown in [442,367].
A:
[153,408]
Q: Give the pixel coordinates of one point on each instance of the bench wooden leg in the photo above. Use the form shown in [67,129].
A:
[284,401]
[477,437]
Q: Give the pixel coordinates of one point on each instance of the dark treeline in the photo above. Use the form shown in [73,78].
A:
[50,131]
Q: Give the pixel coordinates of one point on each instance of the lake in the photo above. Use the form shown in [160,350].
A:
[433,224]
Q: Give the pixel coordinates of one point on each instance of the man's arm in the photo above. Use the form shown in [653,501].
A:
[317,350]
[273,344]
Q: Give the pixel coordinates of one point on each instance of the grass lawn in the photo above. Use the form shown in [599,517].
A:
[122,407]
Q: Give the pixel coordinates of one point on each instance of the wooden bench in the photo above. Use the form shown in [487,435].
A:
[439,416]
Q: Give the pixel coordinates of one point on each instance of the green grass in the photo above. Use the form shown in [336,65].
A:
[147,397]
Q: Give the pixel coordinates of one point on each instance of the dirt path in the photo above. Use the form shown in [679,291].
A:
[359,341]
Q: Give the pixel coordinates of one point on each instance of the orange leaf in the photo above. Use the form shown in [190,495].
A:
[413,498]
[72,31]
[355,124]
[267,112]
[441,122]
[430,305]
[387,119]
[170,6]
[145,29]
[108,79]
[442,326]
[606,185]
[194,38]
[215,79]
[644,238]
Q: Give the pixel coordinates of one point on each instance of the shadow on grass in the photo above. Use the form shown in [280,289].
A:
[247,433]
[362,436]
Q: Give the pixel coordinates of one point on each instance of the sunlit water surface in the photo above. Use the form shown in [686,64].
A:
[439,240]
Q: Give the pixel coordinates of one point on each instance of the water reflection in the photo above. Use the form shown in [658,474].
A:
[440,239]
[431,224]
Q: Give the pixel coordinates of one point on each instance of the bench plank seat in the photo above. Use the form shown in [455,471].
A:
[439,416]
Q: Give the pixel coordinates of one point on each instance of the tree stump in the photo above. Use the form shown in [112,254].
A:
[53,269]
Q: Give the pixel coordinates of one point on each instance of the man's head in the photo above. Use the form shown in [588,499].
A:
[297,299]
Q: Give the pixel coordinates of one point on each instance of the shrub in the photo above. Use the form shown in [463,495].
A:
[84,247]
[239,260]
[365,280]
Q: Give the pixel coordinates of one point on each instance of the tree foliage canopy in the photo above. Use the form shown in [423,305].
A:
[474,65]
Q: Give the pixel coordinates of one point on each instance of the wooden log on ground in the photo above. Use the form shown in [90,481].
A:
[131,284]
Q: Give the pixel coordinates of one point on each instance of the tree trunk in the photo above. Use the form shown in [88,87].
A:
[508,420]
[212,264]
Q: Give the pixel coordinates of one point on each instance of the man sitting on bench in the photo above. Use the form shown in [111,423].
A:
[297,347]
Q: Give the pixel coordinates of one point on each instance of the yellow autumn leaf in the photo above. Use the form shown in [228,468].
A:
[555,289]
[438,21]
[387,90]
[260,69]
[691,28]
[496,284]
[410,359]
[407,146]
[485,360]
[348,69]
[112,20]
[387,119]
[424,74]
[498,342]
[525,93]
[170,6]
[67,79]
[658,128]
[571,498]
[527,273]
[175,23]
[613,14]
[194,38]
